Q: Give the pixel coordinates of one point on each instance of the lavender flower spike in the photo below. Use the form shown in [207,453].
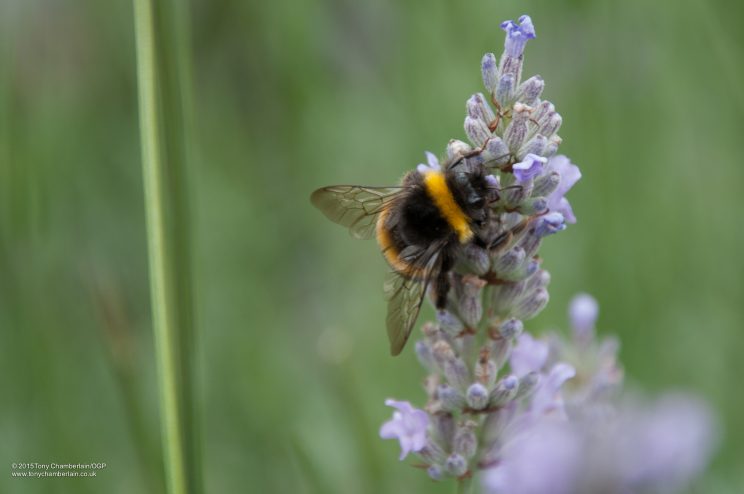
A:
[408,426]
[517,35]
[526,414]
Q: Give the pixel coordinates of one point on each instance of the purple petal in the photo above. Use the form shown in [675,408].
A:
[517,35]
[547,398]
[549,224]
[528,355]
[433,164]
[564,207]
[529,167]
[663,447]
[408,426]
[547,458]
[433,161]
[570,174]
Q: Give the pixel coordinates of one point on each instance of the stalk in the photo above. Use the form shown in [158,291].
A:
[163,80]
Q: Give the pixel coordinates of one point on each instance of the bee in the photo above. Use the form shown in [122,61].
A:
[420,226]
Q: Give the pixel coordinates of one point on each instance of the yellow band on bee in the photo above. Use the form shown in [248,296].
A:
[391,253]
[436,187]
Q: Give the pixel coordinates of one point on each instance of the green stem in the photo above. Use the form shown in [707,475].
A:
[464,485]
[163,81]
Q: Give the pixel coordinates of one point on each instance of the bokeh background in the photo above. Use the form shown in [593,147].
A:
[293,95]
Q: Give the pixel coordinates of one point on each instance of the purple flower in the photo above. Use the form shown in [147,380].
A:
[408,426]
[544,458]
[433,164]
[529,167]
[665,445]
[549,224]
[657,447]
[517,35]
[547,399]
[570,174]
[529,355]
[583,313]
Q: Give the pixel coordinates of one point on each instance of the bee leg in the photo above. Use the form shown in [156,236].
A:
[442,284]
[501,241]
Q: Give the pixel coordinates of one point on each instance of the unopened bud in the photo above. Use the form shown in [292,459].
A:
[456,465]
[477,396]
[527,385]
[465,442]
[532,305]
[505,391]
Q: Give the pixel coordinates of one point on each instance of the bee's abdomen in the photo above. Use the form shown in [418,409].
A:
[414,221]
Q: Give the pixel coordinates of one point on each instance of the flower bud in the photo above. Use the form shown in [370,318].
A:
[496,151]
[536,145]
[443,430]
[477,396]
[469,304]
[532,305]
[465,442]
[424,355]
[479,108]
[523,271]
[474,259]
[449,323]
[552,146]
[509,260]
[435,472]
[456,465]
[545,185]
[511,328]
[517,129]
[512,66]
[457,148]
[505,89]
[503,296]
[527,385]
[452,366]
[543,110]
[533,205]
[583,312]
[505,391]
[477,131]
[551,125]
[540,279]
[451,399]
[530,90]
[500,351]
[490,72]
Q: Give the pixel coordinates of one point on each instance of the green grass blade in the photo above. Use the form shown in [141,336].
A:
[163,81]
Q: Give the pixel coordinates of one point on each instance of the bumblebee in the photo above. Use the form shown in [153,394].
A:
[420,226]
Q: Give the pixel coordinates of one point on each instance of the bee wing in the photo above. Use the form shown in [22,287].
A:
[354,206]
[405,294]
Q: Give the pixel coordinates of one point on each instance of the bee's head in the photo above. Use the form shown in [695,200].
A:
[471,190]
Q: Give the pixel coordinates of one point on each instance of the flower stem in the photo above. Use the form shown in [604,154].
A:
[163,81]
[464,485]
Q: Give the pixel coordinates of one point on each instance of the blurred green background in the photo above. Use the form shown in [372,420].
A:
[293,95]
